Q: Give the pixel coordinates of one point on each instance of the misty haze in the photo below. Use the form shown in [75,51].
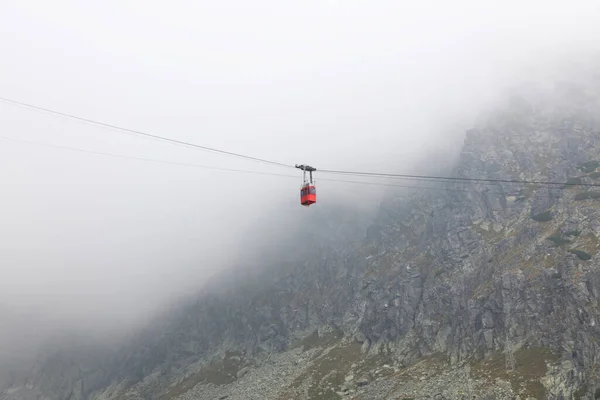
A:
[153,244]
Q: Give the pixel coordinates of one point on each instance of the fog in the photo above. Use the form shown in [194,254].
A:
[95,242]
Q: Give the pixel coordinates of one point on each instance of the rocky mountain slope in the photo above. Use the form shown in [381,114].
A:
[477,290]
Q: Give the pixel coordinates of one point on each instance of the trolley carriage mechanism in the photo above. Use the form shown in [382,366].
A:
[308,191]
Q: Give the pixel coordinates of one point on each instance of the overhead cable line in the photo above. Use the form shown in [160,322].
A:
[340,172]
[458,181]
[122,156]
[427,188]
[140,158]
[140,133]
[447,178]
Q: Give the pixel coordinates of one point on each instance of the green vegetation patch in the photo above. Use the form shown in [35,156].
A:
[525,378]
[220,373]
[542,217]
[587,195]
[582,255]
[580,393]
[314,340]
[558,240]
[594,175]
[573,181]
[589,166]
[573,233]
[327,372]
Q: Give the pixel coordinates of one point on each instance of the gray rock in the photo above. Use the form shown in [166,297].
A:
[242,372]
[363,381]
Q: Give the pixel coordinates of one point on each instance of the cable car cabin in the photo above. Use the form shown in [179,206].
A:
[308,191]
[308,195]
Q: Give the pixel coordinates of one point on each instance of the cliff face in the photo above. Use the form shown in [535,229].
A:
[508,268]
[490,290]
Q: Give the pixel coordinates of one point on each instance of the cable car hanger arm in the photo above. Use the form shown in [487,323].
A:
[306,168]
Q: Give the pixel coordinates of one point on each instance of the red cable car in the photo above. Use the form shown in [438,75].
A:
[308,195]
[308,192]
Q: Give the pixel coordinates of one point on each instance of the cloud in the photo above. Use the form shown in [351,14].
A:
[88,240]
